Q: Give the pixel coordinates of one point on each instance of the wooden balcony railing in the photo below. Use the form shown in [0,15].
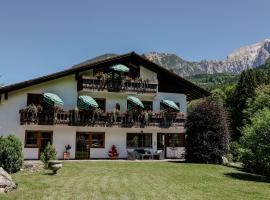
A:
[109,119]
[44,118]
[88,83]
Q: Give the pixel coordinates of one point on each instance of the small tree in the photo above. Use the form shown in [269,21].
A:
[256,143]
[49,153]
[207,133]
[11,155]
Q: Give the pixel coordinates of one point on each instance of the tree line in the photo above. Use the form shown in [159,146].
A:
[234,122]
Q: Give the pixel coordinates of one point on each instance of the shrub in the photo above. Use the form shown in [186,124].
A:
[11,155]
[256,144]
[235,150]
[207,133]
[49,153]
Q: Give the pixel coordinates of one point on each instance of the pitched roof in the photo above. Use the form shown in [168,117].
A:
[190,89]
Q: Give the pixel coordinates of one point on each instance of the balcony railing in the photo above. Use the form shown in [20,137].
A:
[44,118]
[109,119]
[94,84]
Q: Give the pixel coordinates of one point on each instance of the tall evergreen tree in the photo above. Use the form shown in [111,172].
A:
[244,90]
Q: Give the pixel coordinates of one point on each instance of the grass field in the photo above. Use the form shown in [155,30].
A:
[140,180]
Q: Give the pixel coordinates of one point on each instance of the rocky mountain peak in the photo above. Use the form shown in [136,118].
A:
[243,58]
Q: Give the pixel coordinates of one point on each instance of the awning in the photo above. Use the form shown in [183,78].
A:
[120,68]
[171,104]
[52,99]
[84,102]
[136,101]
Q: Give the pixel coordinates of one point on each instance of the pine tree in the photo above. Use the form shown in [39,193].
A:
[245,89]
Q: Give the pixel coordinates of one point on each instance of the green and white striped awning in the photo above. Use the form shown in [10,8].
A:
[135,100]
[85,102]
[120,68]
[171,104]
[52,99]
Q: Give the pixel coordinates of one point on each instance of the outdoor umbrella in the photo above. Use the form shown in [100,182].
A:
[84,102]
[120,68]
[171,104]
[52,99]
[136,101]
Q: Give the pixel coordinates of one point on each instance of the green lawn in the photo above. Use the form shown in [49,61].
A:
[140,180]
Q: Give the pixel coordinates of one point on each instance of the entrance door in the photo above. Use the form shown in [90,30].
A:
[161,143]
[82,146]
[171,143]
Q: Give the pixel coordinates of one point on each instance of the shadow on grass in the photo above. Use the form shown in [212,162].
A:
[50,174]
[177,161]
[248,177]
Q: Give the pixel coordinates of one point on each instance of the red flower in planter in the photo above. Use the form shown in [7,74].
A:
[113,153]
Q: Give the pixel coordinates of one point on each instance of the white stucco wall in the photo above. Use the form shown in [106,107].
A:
[66,89]
[117,136]
[148,74]
[179,98]
[121,98]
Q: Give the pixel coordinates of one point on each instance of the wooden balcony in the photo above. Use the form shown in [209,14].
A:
[87,118]
[94,84]
[44,118]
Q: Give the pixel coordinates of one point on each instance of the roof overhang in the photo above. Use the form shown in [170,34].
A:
[191,90]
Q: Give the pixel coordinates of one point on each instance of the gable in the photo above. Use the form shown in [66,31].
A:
[168,81]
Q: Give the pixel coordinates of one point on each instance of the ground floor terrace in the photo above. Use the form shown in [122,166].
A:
[96,142]
[139,180]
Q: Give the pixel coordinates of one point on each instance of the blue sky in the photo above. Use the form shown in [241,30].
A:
[42,37]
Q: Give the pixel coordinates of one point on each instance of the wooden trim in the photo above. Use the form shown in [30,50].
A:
[190,89]
[91,137]
[38,132]
[25,139]
[181,139]
[90,134]
[104,102]
[140,134]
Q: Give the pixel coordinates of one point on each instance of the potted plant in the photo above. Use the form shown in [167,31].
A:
[67,153]
[113,153]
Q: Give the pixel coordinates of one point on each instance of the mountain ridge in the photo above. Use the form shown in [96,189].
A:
[243,58]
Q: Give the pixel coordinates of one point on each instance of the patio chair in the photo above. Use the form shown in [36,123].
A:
[132,154]
[160,154]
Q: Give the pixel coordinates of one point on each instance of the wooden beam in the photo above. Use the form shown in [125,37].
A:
[6,96]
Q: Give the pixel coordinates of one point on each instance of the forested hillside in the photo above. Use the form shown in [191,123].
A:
[212,81]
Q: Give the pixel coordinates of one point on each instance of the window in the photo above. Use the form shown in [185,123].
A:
[31,139]
[45,138]
[137,140]
[148,105]
[175,140]
[101,103]
[35,99]
[37,139]
[92,140]
[97,140]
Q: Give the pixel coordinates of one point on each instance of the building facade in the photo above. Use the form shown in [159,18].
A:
[119,86]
